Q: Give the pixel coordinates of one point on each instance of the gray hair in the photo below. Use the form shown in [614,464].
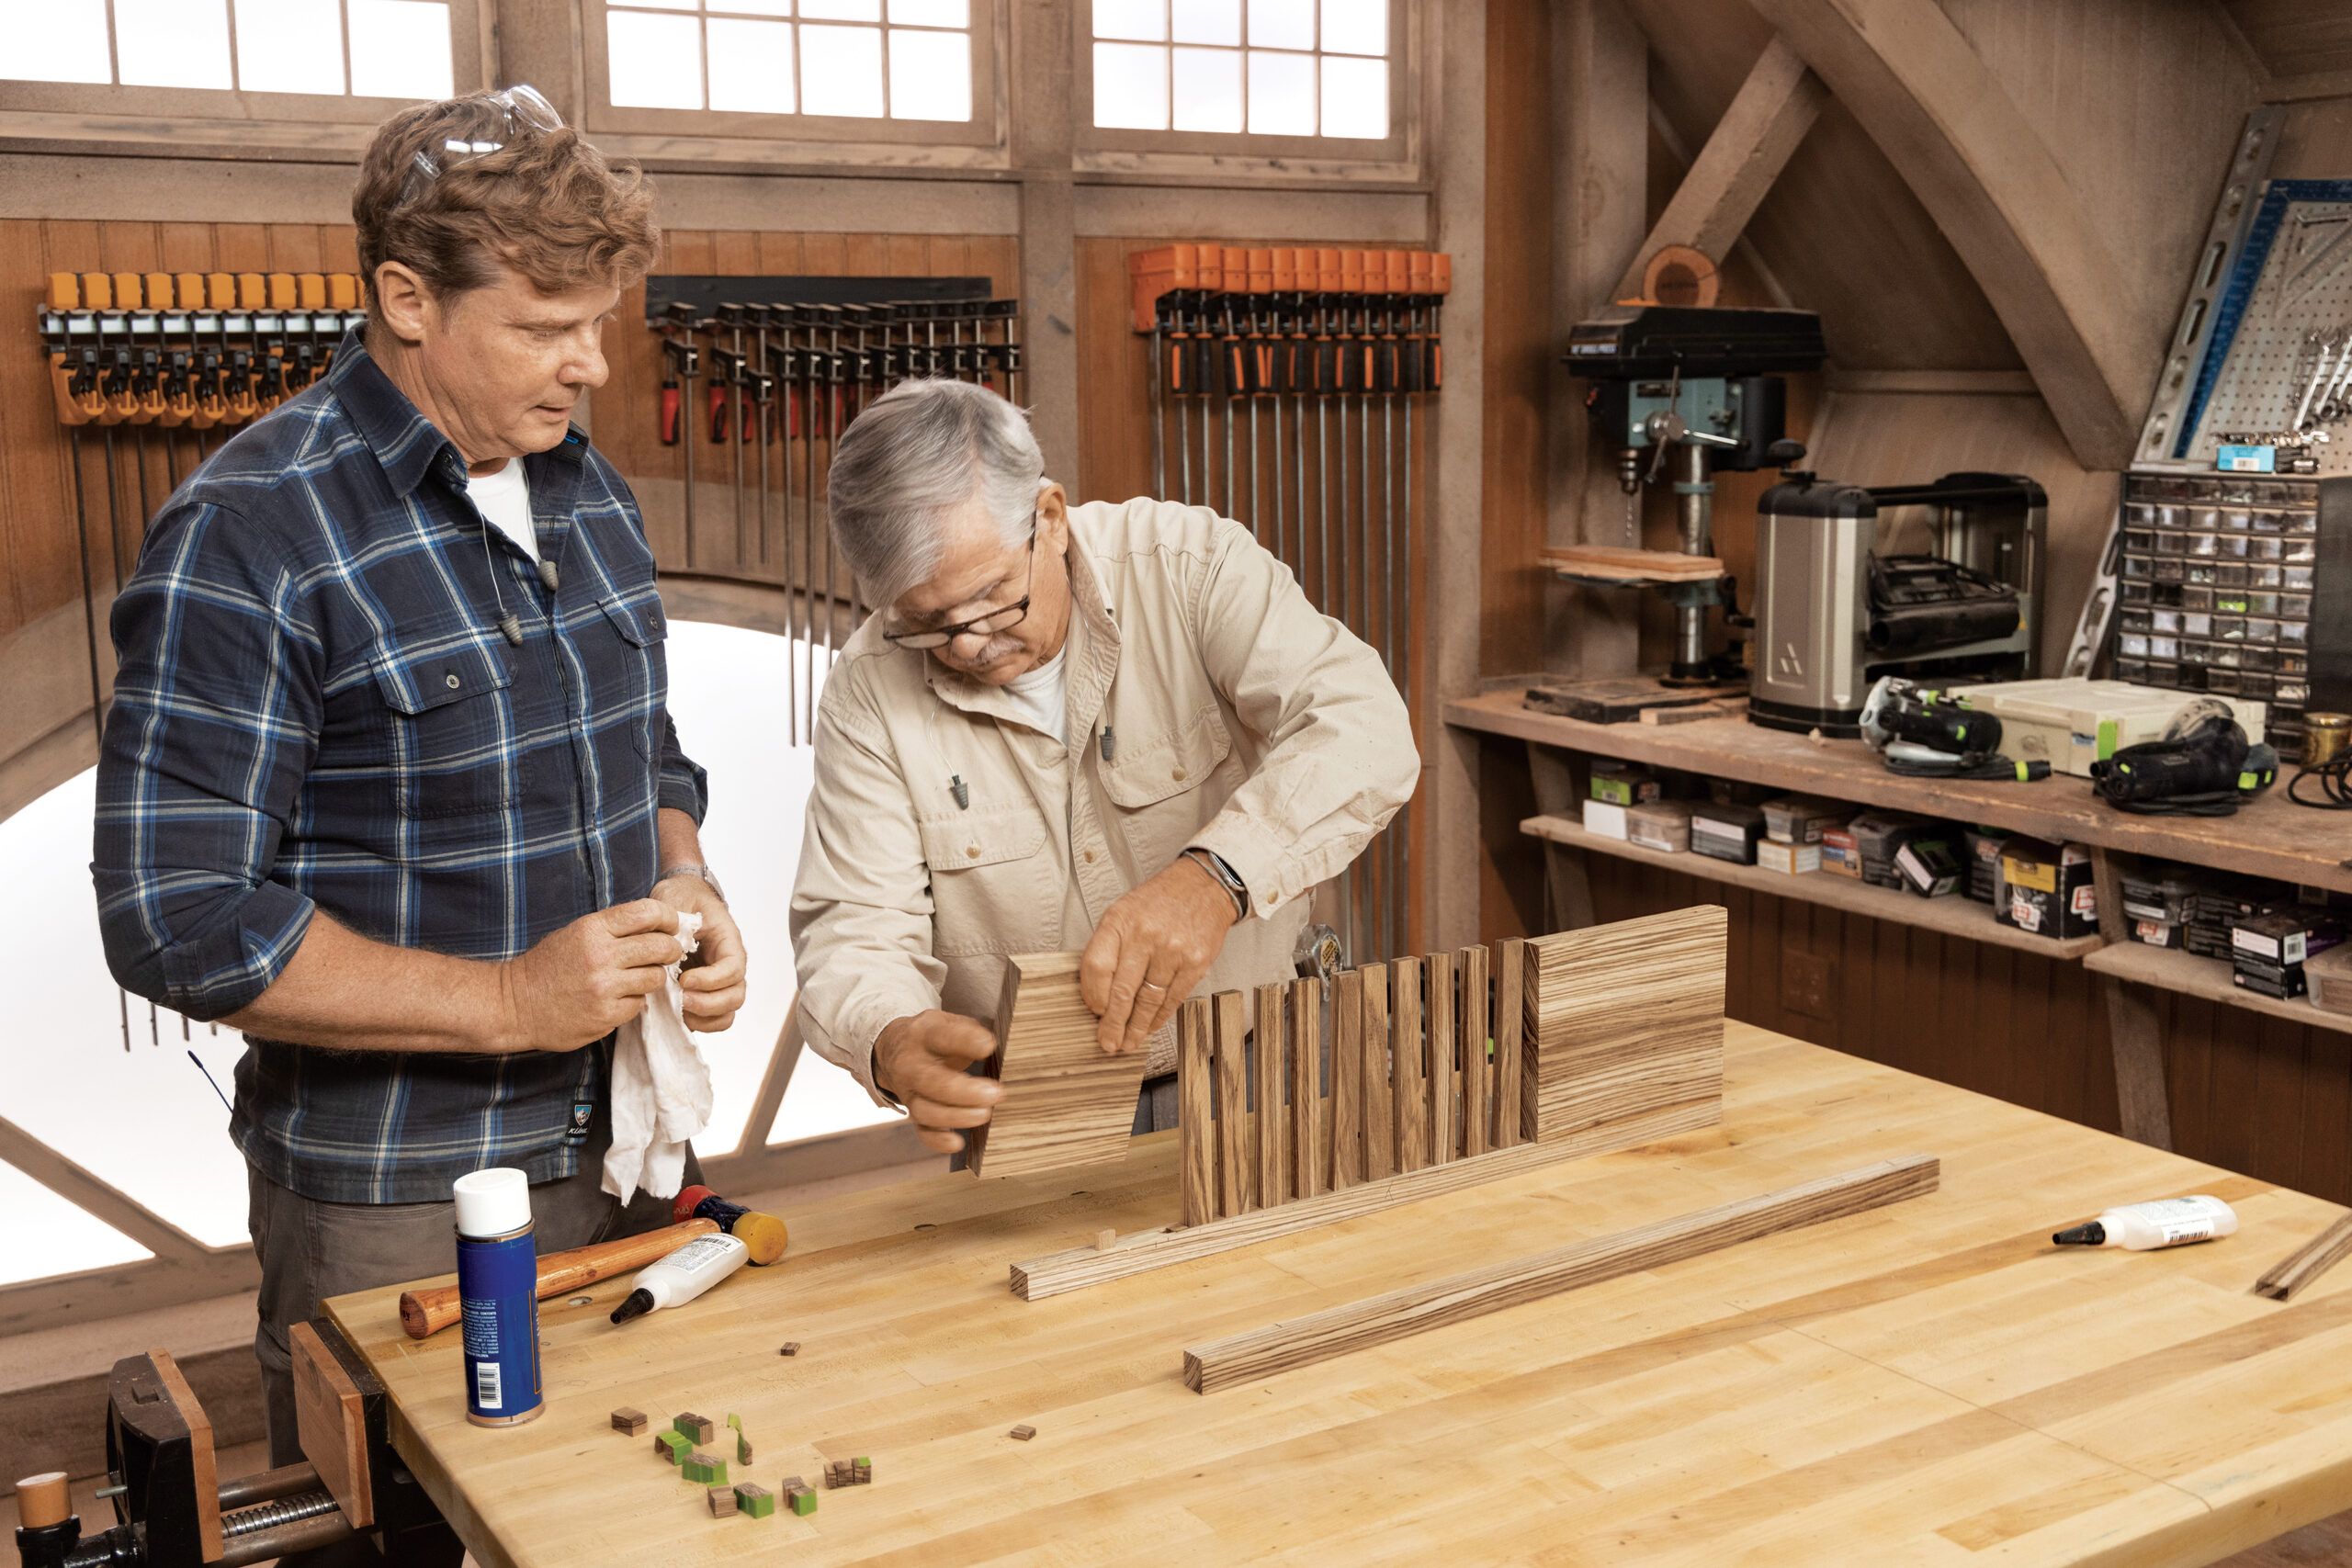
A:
[922,452]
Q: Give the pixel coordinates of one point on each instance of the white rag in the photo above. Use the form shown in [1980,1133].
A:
[660,1088]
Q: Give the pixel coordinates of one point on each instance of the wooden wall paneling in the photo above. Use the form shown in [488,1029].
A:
[2327,1113]
[2279,1079]
[32,474]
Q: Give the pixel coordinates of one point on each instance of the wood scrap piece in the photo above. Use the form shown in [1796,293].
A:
[1615,563]
[1477,1068]
[1442,1072]
[1511,973]
[1310,1155]
[1408,1085]
[2306,1262]
[1269,1069]
[331,1423]
[1347,1080]
[203,1464]
[1625,1018]
[1195,1129]
[1395,1315]
[1379,1117]
[1023,1433]
[1077,1268]
[1237,1147]
[1067,1101]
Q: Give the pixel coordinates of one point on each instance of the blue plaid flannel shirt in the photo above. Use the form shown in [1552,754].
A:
[315,709]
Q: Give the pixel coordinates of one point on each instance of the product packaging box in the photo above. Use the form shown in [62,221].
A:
[1660,825]
[1930,866]
[2050,890]
[1790,859]
[1803,818]
[1601,817]
[1726,832]
[1623,783]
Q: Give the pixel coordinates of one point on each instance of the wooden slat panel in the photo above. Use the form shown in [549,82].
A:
[1194,1126]
[1067,1103]
[1379,1091]
[1476,1030]
[1444,1074]
[1628,1018]
[1511,973]
[1237,1147]
[1310,1156]
[1347,1080]
[1267,1069]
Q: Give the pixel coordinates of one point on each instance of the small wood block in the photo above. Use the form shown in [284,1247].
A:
[1104,1240]
[1310,1156]
[742,1448]
[1626,1019]
[1021,1433]
[803,1500]
[1510,990]
[2308,1262]
[698,1428]
[754,1500]
[1273,1125]
[1379,1092]
[1445,1075]
[706,1468]
[673,1446]
[1477,1066]
[1408,1086]
[1066,1101]
[1195,1097]
[789,1347]
[1237,1147]
[631,1422]
[722,1501]
[864,1471]
[790,1485]
[1347,1080]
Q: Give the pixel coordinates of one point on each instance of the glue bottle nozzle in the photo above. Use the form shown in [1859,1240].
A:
[637,1304]
[2089,1233]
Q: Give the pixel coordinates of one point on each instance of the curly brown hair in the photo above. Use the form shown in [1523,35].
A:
[545,204]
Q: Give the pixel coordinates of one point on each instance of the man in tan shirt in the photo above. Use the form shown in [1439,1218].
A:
[1115,727]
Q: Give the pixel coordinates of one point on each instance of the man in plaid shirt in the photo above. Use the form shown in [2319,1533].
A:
[389,782]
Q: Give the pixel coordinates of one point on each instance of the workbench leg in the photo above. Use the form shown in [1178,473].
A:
[1565,875]
[2135,1032]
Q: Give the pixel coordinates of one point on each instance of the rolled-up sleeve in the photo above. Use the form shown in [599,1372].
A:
[214,721]
[683,786]
[861,903]
[1340,758]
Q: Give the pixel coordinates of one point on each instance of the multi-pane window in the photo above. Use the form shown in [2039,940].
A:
[379,49]
[852,58]
[1260,67]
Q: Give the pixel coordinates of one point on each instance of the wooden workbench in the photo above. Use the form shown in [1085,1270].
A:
[1928,1383]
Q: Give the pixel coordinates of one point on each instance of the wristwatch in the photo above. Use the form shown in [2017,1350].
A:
[702,872]
[1229,879]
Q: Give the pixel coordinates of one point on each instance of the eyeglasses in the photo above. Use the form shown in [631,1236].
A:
[511,115]
[978,625]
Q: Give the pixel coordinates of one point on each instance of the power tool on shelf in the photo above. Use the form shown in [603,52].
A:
[1927,733]
[2201,766]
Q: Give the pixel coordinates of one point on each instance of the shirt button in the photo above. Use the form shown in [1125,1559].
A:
[451,680]
[1090,857]
[973,851]
[1178,775]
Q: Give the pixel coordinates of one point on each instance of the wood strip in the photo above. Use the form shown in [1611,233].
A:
[1472,1012]
[1347,1080]
[333,1429]
[1310,1153]
[1195,1126]
[1274,1161]
[2306,1262]
[1409,1084]
[1510,1000]
[1377,1320]
[1067,1103]
[1142,1251]
[1379,1123]
[1444,1072]
[1237,1149]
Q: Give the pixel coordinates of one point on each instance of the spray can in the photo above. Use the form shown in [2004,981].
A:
[498,1277]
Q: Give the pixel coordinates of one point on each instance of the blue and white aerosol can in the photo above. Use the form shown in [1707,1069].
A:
[498,1280]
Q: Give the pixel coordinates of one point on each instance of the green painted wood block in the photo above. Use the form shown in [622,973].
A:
[672,1446]
[804,1502]
[708,1468]
[756,1501]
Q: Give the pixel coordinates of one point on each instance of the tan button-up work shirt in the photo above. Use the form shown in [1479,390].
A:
[1208,703]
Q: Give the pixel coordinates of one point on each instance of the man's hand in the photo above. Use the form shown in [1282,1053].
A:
[582,983]
[1152,949]
[712,980]
[922,1060]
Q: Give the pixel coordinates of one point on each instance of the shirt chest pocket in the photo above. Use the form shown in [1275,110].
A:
[453,744]
[641,694]
[992,889]
[1154,784]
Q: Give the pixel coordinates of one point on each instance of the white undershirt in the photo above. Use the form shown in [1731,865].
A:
[504,499]
[1038,697]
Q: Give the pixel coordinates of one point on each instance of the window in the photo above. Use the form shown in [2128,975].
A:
[362,49]
[902,60]
[1259,68]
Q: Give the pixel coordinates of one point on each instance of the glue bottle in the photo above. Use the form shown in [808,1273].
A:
[2165,1222]
[683,1275]
[498,1292]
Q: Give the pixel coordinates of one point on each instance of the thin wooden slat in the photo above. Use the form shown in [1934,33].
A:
[2307,1263]
[1511,973]
[1444,1074]
[1067,1101]
[1195,1127]
[1310,1156]
[1347,1080]
[1267,1067]
[1409,1084]
[1237,1149]
[1377,1320]
[1477,1069]
[1379,1123]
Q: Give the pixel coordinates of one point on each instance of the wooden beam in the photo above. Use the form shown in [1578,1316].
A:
[1377,1320]
[1992,185]
[98,1198]
[1743,155]
[1066,1101]
[1060,1272]
[2306,1262]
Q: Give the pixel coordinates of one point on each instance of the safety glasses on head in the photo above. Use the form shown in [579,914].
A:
[506,117]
